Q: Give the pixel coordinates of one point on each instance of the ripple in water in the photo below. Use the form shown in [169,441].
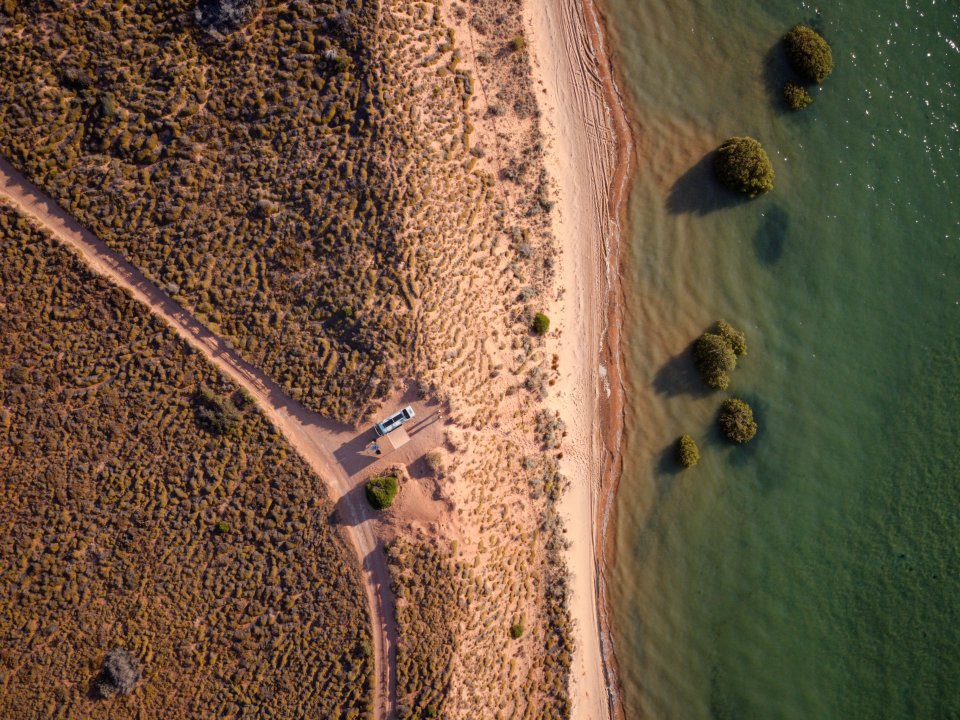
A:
[814,573]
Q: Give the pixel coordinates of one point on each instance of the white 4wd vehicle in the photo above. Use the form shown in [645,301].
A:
[394,421]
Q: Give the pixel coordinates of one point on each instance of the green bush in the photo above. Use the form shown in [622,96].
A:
[541,323]
[516,630]
[736,339]
[796,96]
[736,420]
[518,43]
[742,165]
[222,527]
[715,359]
[381,491]
[688,454]
[809,53]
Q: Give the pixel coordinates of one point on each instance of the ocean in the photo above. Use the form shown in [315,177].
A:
[814,572]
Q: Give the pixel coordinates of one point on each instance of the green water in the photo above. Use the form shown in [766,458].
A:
[814,573]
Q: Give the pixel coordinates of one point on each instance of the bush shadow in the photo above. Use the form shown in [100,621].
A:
[698,192]
[420,470]
[776,72]
[771,236]
[345,510]
[667,464]
[679,376]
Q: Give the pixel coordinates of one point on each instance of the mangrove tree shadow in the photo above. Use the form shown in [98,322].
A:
[698,191]
[776,72]
[354,455]
[668,464]
[771,235]
[679,376]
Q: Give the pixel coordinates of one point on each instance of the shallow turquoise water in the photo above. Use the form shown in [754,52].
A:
[814,573]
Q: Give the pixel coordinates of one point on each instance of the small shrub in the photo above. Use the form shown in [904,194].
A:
[242,399]
[715,359]
[215,414]
[516,630]
[17,375]
[225,16]
[550,428]
[742,165]
[809,53]
[222,527]
[541,323]
[434,461]
[518,43]
[796,96]
[107,106]
[381,491]
[119,675]
[688,454]
[736,420]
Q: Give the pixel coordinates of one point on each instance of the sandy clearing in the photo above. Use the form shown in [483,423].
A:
[589,152]
[327,446]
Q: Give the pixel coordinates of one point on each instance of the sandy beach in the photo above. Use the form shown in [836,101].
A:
[588,153]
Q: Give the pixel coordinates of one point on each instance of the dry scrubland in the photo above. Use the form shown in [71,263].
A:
[112,496]
[302,185]
[352,197]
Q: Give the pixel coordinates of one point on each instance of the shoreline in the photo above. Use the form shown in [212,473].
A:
[590,155]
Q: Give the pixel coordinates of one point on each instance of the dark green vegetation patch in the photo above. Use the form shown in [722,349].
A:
[215,413]
[809,53]
[736,421]
[742,165]
[113,501]
[541,324]
[382,490]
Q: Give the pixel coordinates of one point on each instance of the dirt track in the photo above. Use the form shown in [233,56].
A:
[315,438]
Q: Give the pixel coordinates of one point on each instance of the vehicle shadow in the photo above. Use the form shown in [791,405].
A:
[354,455]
